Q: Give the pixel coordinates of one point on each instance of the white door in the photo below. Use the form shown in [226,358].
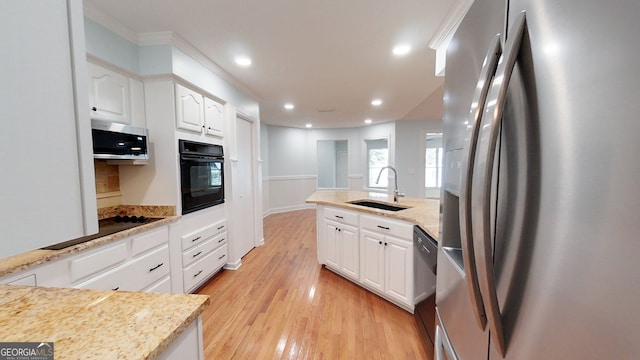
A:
[243,195]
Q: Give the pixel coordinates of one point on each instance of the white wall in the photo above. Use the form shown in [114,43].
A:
[290,173]
[110,47]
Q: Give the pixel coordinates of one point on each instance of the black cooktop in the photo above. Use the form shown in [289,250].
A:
[107,227]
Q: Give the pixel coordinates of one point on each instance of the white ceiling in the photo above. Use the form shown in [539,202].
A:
[328,57]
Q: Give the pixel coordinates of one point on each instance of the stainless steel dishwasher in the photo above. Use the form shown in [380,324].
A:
[424,312]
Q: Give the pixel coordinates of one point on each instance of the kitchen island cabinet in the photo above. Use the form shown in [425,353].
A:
[387,258]
[375,247]
[98,324]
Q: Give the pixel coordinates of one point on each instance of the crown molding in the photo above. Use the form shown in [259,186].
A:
[163,38]
[183,45]
[112,24]
[450,23]
[155,38]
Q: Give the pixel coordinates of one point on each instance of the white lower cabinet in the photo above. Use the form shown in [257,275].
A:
[342,248]
[374,251]
[387,266]
[136,263]
[134,275]
[200,249]
[188,346]
[387,258]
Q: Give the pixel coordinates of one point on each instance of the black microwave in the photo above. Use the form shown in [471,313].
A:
[115,141]
[201,175]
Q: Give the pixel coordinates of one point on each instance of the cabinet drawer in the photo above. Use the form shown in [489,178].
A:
[387,226]
[341,216]
[199,271]
[135,275]
[28,280]
[162,286]
[149,241]
[200,235]
[98,261]
[200,251]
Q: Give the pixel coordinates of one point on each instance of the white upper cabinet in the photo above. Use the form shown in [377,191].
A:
[45,200]
[114,96]
[189,109]
[136,102]
[198,113]
[108,94]
[213,117]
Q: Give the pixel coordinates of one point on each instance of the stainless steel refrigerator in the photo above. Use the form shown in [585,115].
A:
[539,252]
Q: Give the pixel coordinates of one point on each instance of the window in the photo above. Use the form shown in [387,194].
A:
[377,158]
[433,164]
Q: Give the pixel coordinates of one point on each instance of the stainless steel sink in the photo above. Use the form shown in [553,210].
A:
[378,205]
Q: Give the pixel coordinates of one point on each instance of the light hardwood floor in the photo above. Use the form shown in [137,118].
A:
[281,304]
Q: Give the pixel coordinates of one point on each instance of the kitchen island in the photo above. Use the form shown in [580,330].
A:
[372,246]
[97,324]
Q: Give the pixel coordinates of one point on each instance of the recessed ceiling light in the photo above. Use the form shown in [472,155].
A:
[367,121]
[376,102]
[402,49]
[243,61]
[308,126]
[288,106]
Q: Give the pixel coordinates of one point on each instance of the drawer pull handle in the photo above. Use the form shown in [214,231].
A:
[196,239]
[198,273]
[220,227]
[116,288]
[221,240]
[155,267]
[198,253]
[383,227]
[380,242]
[339,217]
[222,256]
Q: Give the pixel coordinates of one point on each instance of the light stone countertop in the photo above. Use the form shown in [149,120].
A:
[422,212]
[96,324]
[33,258]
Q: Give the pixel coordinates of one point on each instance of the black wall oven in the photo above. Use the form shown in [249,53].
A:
[201,175]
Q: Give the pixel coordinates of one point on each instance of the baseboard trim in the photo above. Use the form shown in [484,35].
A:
[287,209]
[234,265]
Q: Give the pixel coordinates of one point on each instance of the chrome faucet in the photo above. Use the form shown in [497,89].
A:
[396,193]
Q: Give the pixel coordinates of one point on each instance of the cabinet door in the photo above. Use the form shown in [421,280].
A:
[136,103]
[43,147]
[332,245]
[372,259]
[349,251]
[189,109]
[108,94]
[399,269]
[213,117]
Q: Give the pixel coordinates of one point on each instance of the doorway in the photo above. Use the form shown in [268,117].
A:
[243,188]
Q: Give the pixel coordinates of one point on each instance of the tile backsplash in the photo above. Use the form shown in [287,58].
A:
[107,184]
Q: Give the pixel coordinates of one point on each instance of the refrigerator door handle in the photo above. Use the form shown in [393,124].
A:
[466,234]
[486,152]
